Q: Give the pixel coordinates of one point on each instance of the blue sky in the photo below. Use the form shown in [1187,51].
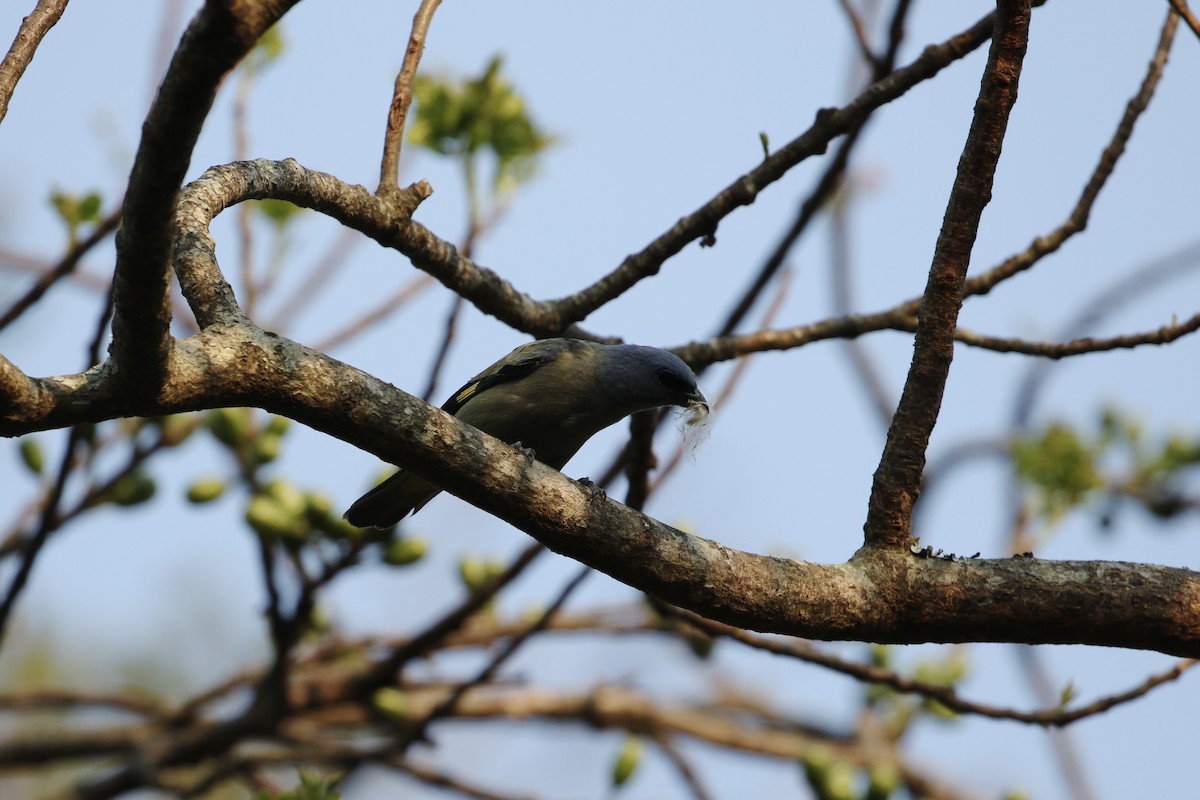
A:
[657,106]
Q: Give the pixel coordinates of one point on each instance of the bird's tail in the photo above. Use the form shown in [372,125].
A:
[391,501]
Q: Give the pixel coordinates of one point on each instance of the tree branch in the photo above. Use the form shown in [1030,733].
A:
[829,124]
[33,29]
[389,167]
[897,482]
[218,37]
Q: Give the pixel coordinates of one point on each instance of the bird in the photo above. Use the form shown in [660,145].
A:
[549,396]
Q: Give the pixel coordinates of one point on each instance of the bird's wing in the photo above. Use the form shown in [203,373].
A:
[505,373]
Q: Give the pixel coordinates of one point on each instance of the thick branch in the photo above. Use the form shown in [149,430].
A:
[218,37]
[387,222]
[880,595]
[897,481]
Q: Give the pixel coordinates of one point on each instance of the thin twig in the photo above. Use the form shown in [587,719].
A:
[1164,335]
[62,269]
[389,168]
[735,377]
[829,124]
[33,29]
[1078,220]
[439,359]
[1050,717]
[310,289]
[841,264]
[446,707]
[394,302]
[682,766]
[1066,753]
[859,28]
[384,671]
[1181,8]
[442,780]
[48,523]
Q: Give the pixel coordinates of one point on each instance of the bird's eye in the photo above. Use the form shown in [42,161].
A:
[673,382]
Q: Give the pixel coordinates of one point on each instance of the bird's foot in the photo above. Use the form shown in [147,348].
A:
[595,493]
[528,452]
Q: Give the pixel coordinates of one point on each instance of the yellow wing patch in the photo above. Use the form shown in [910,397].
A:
[466,393]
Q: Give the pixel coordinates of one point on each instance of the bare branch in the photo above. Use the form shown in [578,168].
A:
[1181,8]
[394,302]
[1078,220]
[33,29]
[683,767]
[402,98]
[1075,347]
[897,482]
[62,269]
[218,37]
[441,780]
[1051,717]
[446,707]
[829,124]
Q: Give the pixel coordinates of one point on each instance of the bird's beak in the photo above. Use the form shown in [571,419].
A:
[697,407]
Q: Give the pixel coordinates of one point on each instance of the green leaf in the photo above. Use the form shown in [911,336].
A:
[467,118]
[287,495]
[175,428]
[1067,694]
[76,211]
[1060,466]
[278,212]
[89,207]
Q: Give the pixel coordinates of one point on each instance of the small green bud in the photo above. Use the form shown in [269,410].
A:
[277,426]
[32,455]
[817,762]
[405,550]
[176,428]
[133,489]
[840,783]
[228,425]
[473,573]
[391,703]
[701,645]
[883,780]
[627,761]
[206,490]
[288,496]
[266,448]
[268,517]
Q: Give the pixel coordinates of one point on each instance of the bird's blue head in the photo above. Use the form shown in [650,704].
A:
[642,378]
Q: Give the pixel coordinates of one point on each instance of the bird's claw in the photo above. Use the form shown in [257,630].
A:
[595,492]
[528,452]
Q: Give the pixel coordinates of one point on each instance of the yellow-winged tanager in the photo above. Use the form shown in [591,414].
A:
[551,396]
